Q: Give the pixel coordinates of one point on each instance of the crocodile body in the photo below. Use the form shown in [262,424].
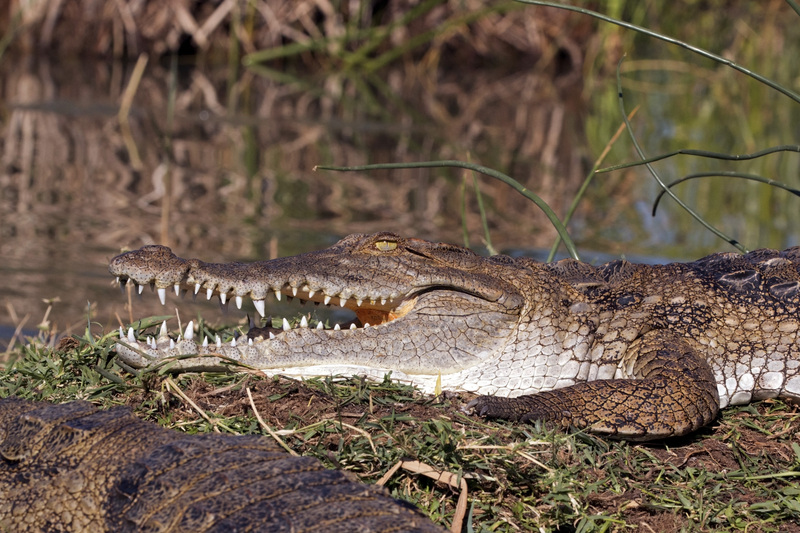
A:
[625,350]
[71,467]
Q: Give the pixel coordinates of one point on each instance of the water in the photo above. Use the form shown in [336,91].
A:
[225,172]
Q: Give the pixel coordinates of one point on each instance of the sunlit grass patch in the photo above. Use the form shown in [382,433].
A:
[741,473]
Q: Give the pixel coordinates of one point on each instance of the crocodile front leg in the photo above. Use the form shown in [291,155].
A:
[670,391]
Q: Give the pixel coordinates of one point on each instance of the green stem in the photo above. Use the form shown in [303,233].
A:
[554,220]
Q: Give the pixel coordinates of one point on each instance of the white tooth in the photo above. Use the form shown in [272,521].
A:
[189,333]
[336,327]
[141,288]
[131,335]
[218,341]
[150,342]
[117,280]
[162,295]
[286,326]
[294,291]
[233,341]
[327,300]
[342,301]
[260,307]
[359,301]
[352,326]
[249,342]
[278,295]
[205,341]
[366,324]
[121,333]
[311,294]
[271,335]
[320,326]
[303,322]
[383,301]
[177,288]
[196,288]
[163,331]
[238,302]
[171,344]
[223,298]
[209,293]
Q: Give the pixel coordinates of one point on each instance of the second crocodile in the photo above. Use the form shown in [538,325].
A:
[626,350]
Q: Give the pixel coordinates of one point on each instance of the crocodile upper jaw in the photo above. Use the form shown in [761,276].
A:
[417,313]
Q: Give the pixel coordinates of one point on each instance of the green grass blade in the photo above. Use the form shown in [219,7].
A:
[729,174]
[704,53]
[696,216]
[705,153]
[517,186]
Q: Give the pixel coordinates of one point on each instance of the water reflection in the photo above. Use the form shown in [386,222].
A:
[227,174]
[222,170]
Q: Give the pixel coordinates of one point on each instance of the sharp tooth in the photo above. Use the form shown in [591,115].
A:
[218,341]
[383,301]
[271,335]
[359,301]
[336,327]
[277,295]
[121,333]
[238,302]
[205,341]
[189,333]
[131,335]
[196,288]
[303,322]
[294,291]
[209,293]
[223,298]
[372,301]
[260,307]
[249,342]
[327,300]
[342,301]
[177,288]
[150,342]
[117,280]
[366,324]
[162,295]
[233,341]
[352,326]
[286,326]
[171,344]
[141,288]
[320,326]
[163,331]
[311,294]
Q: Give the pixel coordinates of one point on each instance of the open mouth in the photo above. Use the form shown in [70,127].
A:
[415,314]
[370,310]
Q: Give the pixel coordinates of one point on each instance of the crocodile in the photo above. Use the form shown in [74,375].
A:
[72,467]
[625,350]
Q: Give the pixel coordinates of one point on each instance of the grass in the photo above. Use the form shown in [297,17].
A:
[741,474]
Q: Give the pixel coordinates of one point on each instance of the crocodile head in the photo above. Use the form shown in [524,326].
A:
[423,309]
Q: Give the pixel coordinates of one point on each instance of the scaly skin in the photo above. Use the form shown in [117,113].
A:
[71,467]
[625,350]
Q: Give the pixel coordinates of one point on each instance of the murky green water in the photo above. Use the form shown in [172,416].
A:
[224,171]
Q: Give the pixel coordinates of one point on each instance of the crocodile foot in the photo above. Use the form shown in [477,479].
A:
[521,409]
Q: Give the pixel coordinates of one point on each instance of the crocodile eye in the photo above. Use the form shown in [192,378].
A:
[385,246]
